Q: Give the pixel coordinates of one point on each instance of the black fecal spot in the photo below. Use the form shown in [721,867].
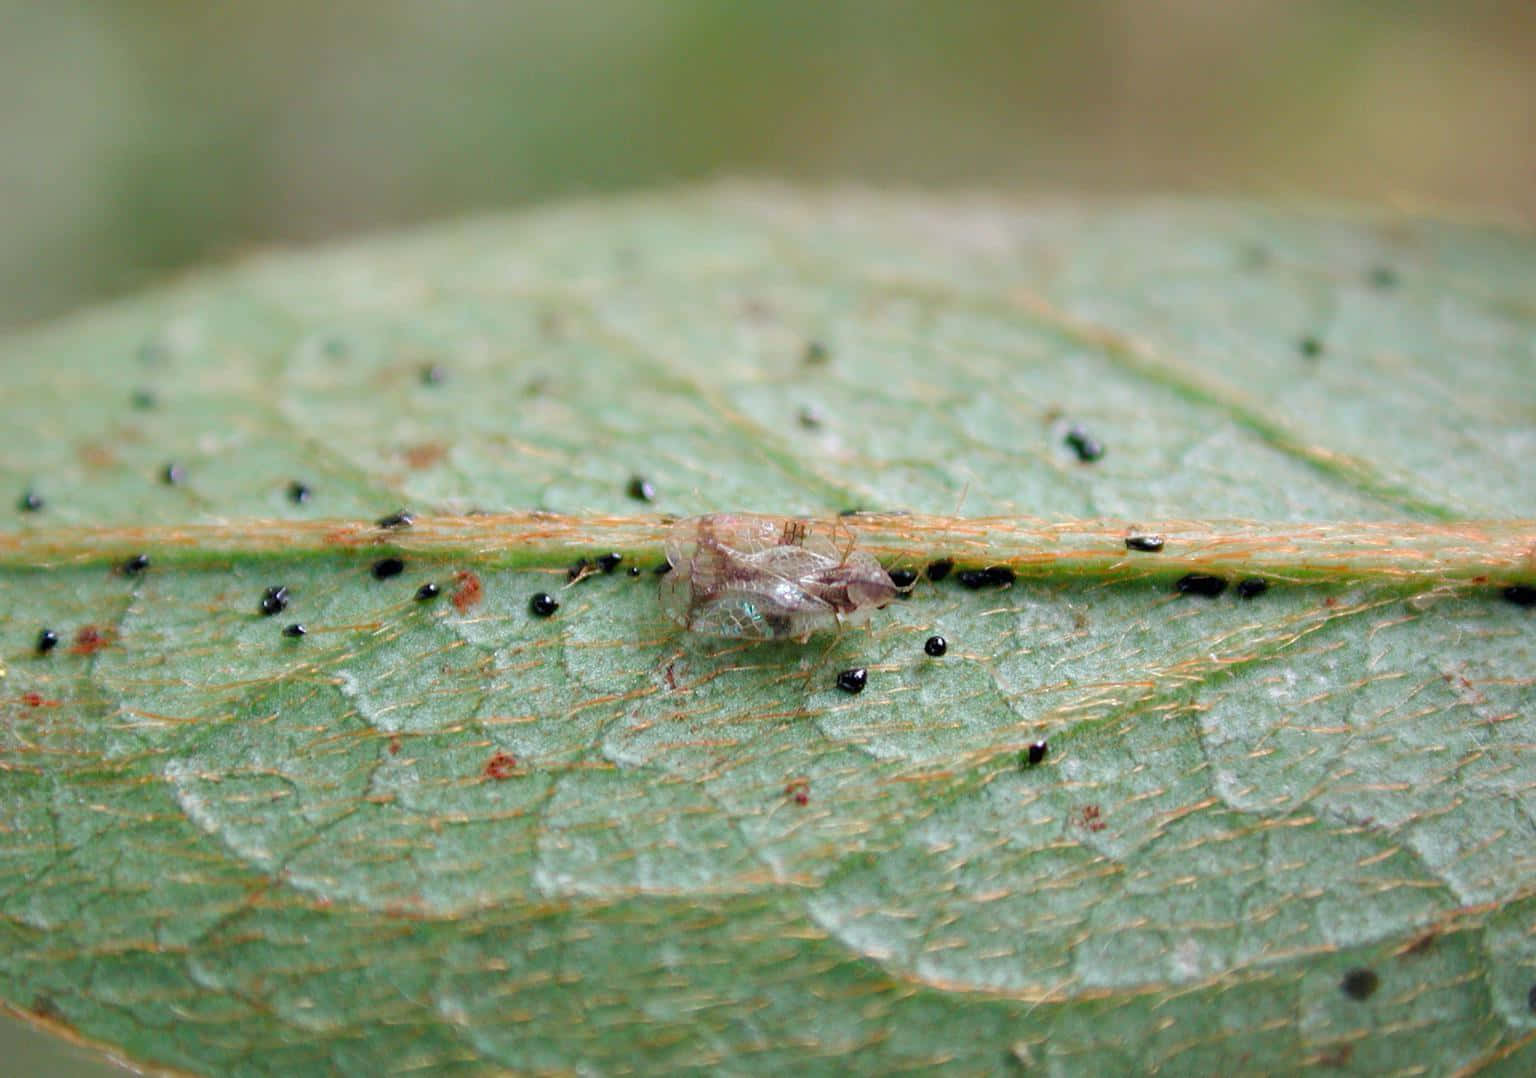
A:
[1310,347]
[1203,584]
[433,374]
[427,592]
[816,354]
[543,604]
[144,400]
[1530,999]
[295,630]
[298,493]
[663,569]
[578,569]
[1252,587]
[385,568]
[853,679]
[275,600]
[30,501]
[634,570]
[938,570]
[609,562]
[935,646]
[993,576]
[402,518]
[1520,594]
[1360,983]
[1034,754]
[172,474]
[1382,277]
[1086,446]
[136,564]
[1148,544]
[47,640]
[903,578]
[810,418]
[855,511]
[641,489]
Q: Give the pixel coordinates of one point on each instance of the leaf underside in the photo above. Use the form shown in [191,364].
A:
[450,834]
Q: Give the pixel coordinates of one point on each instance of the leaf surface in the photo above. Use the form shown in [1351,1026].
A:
[450,834]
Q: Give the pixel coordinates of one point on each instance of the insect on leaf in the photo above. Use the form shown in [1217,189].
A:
[765,578]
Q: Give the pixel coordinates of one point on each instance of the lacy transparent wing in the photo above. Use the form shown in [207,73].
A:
[747,537]
[748,615]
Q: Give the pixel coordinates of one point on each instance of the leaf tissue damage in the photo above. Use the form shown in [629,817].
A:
[1103,784]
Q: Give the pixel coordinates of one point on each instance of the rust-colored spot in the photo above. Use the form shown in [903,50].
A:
[1479,580]
[89,640]
[467,592]
[97,456]
[500,766]
[671,678]
[1336,1057]
[1089,817]
[798,791]
[394,744]
[37,699]
[423,456]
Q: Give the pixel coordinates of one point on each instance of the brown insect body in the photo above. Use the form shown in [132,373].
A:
[767,578]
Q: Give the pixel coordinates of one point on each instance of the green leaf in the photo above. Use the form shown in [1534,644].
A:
[449,834]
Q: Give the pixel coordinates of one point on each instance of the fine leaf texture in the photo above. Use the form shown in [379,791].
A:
[447,834]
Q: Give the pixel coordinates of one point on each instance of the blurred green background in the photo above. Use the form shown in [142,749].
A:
[143,136]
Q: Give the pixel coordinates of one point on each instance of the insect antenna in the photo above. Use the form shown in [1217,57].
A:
[853,539]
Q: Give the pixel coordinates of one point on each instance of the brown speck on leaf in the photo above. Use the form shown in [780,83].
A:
[757,308]
[96,456]
[1090,819]
[500,766]
[37,699]
[89,640]
[467,591]
[421,457]
[1336,1057]
[798,791]
[394,744]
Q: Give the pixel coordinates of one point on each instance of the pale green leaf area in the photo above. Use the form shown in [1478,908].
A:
[430,839]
